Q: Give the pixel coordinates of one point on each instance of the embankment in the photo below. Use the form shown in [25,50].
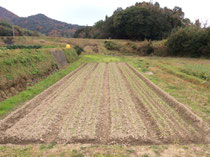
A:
[20,69]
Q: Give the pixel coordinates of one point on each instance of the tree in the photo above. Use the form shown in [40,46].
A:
[197,23]
[141,21]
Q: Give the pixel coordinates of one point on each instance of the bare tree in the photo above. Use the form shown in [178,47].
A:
[205,23]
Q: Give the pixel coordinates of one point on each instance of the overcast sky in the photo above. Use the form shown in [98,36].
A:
[87,12]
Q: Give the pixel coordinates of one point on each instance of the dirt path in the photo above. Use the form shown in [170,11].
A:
[104,103]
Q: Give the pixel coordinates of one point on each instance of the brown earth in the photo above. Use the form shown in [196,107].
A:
[105,103]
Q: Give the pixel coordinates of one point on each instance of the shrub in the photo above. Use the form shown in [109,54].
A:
[78,49]
[134,47]
[149,49]
[110,45]
[190,41]
[145,48]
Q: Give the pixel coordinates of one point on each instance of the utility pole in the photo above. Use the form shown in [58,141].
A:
[13,30]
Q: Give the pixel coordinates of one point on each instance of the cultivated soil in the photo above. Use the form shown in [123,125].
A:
[105,103]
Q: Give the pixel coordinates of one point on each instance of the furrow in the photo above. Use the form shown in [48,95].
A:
[104,119]
[181,130]
[53,135]
[126,123]
[37,123]
[14,117]
[150,124]
[160,122]
[194,122]
[80,125]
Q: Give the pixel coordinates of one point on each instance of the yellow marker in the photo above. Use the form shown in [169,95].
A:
[68,46]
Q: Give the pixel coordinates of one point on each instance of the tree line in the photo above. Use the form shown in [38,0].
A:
[7,30]
[139,22]
[148,21]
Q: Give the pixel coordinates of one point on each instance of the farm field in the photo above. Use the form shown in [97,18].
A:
[104,103]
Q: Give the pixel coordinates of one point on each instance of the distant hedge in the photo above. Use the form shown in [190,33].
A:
[24,46]
[190,41]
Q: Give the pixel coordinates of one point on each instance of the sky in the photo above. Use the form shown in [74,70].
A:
[87,12]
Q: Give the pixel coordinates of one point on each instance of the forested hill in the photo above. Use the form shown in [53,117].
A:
[40,23]
[46,25]
[141,21]
[7,15]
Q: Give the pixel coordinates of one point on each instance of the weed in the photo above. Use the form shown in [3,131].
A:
[8,62]
[37,58]
[144,69]
[62,154]
[156,152]
[50,146]
[104,155]
[83,148]
[185,147]
[9,77]
[146,155]
[74,153]
[130,151]
[134,47]
[174,87]
[154,147]
[36,71]
[164,147]
[15,60]
[42,146]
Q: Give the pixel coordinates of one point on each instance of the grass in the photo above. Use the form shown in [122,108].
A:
[21,63]
[103,151]
[102,58]
[50,146]
[188,89]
